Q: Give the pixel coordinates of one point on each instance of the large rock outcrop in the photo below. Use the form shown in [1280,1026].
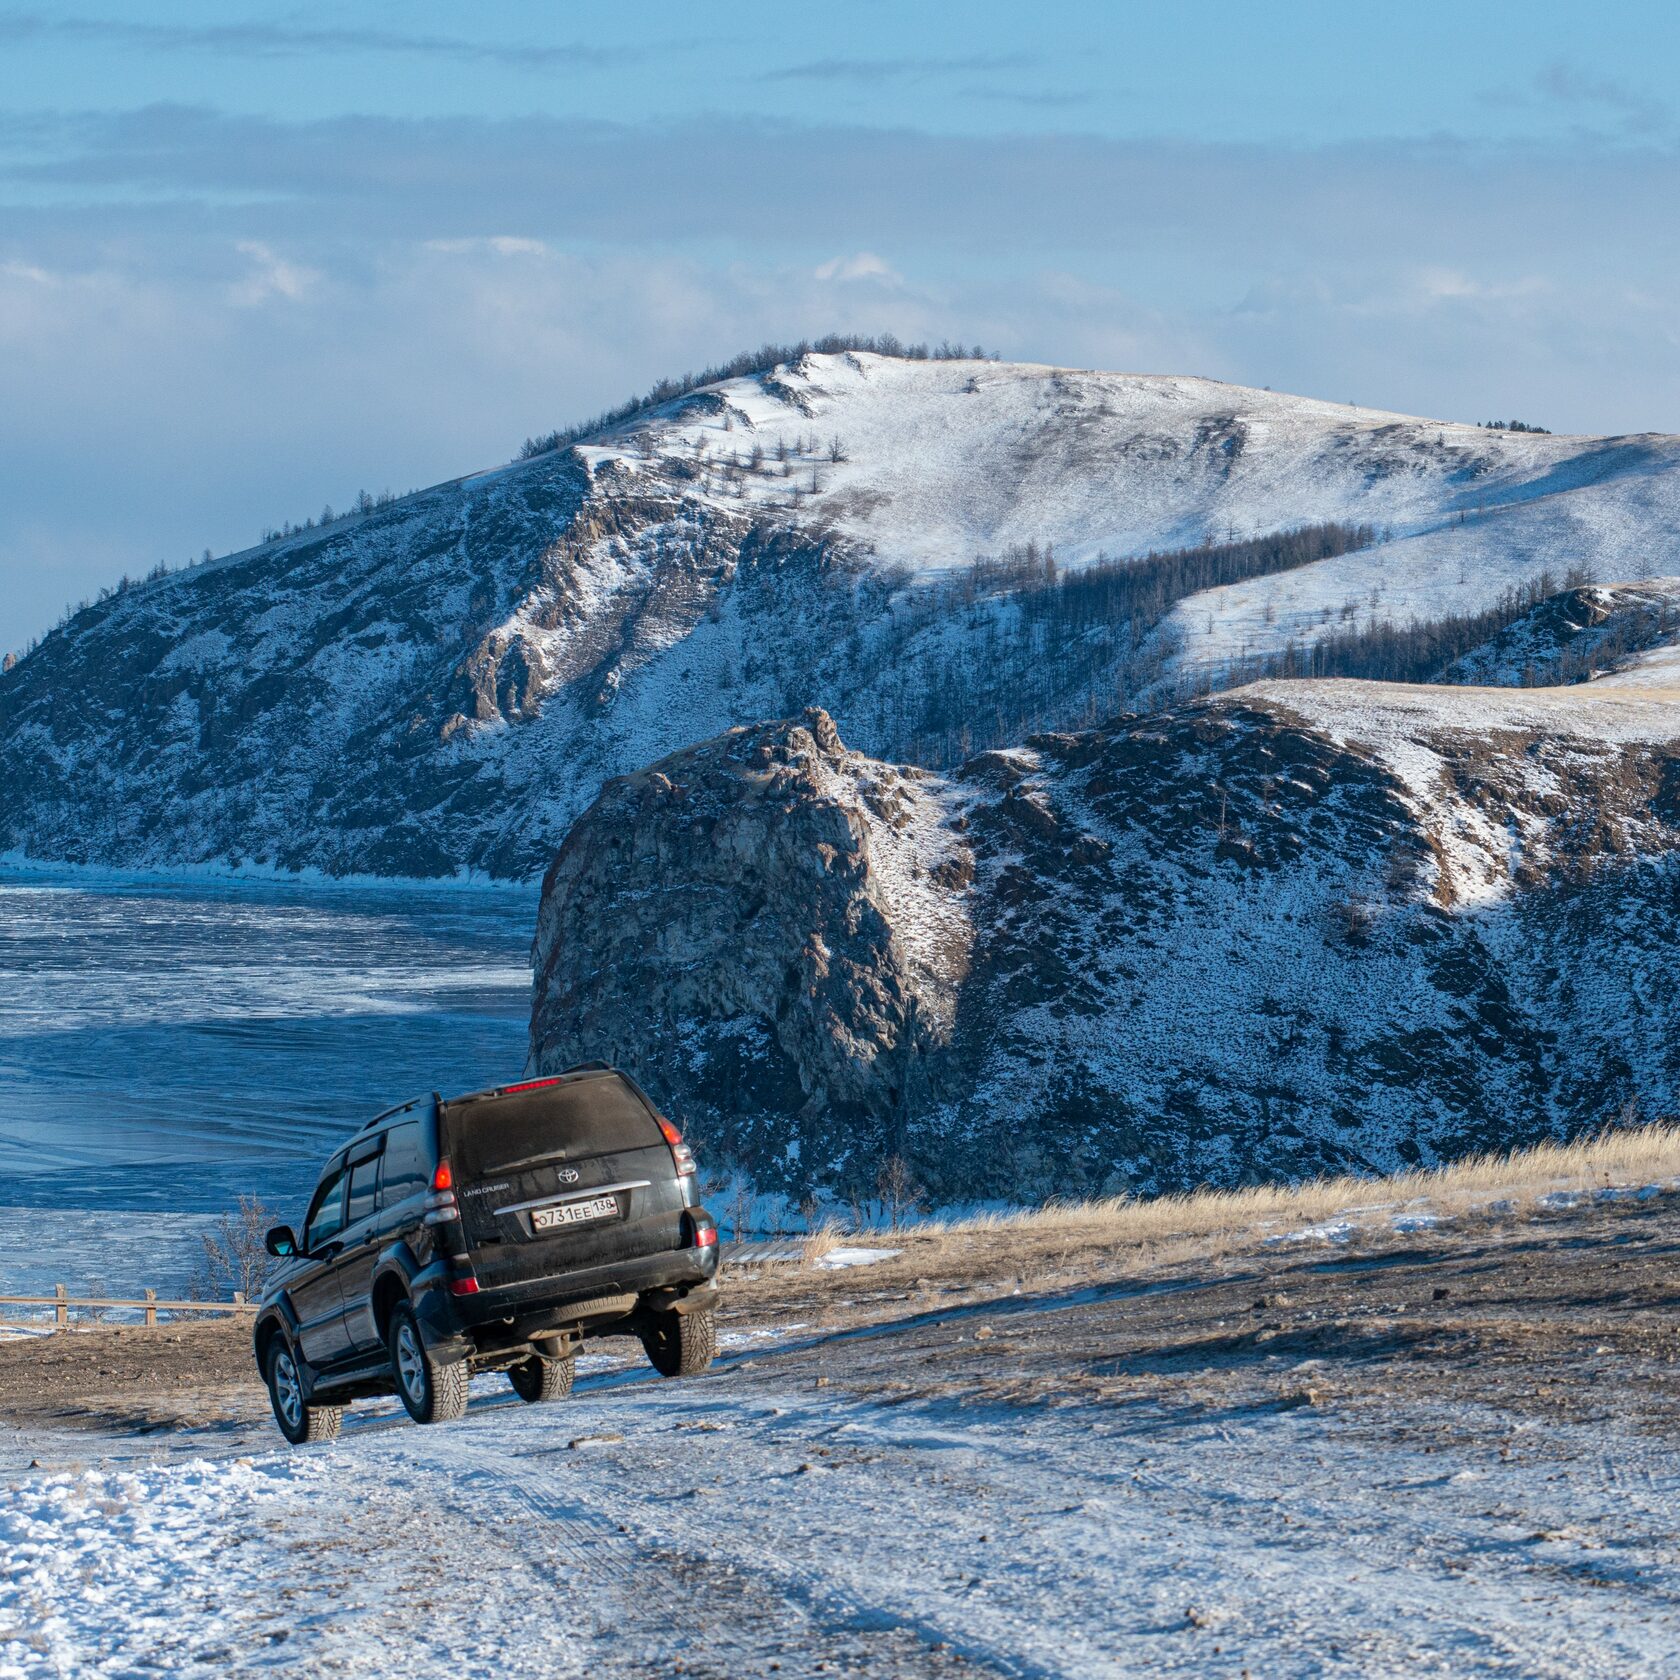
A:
[1306,926]
[769,927]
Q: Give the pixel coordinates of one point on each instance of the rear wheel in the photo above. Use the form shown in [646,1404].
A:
[681,1344]
[431,1392]
[537,1378]
[299,1422]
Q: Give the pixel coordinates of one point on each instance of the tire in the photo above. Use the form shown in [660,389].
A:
[537,1379]
[299,1422]
[430,1392]
[681,1345]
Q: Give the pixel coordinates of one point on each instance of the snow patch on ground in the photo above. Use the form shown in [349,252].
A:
[1416,1221]
[839,1258]
[1420,1216]
[1327,1231]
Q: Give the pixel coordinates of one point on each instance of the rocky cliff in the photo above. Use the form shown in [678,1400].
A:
[1301,927]
[444,684]
[787,917]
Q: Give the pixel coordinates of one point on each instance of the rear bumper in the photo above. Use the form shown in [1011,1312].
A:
[513,1312]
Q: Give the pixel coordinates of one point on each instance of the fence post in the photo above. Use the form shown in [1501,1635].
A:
[151,1309]
[62,1311]
[239,1297]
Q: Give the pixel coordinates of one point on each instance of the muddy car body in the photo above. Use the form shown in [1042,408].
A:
[494,1231]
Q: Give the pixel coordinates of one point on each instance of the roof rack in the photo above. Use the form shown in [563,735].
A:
[523,1085]
[401,1108]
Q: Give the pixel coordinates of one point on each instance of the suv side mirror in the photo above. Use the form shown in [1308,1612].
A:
[281,1242]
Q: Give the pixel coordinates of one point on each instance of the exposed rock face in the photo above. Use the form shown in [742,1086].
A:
[1306,926]
[769,927]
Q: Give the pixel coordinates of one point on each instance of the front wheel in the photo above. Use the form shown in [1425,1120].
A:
[299,1422]
[681,1344]
[431,1392]
[536,1379]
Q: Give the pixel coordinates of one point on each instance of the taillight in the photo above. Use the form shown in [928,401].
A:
[529,1085]
[463,1285]
[441,1205]
[706,1237]
[680,1152]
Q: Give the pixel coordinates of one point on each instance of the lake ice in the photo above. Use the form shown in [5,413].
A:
[167,1045]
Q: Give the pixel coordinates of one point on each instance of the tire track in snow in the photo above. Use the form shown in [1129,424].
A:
[677,1582]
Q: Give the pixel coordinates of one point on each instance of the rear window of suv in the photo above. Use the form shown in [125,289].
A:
[585,1117]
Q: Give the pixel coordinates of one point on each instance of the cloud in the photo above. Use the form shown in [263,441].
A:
[1568,84]
[1434,285]
[270,276]
[777,188]
[504,245]
[290,40]
[864,265]
[1042,99]
[1624,108]
[895,69]
[1574,355]
[27,271]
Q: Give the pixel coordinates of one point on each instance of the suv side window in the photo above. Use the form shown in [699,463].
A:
[326,1212]
[364,1180]
[407,1171]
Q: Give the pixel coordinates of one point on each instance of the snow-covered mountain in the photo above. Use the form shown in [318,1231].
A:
[445,683]
[1301,926]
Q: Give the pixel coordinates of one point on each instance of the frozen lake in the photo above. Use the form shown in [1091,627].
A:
[167,1045]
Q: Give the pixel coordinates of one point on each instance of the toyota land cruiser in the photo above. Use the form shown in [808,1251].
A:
[494,1231]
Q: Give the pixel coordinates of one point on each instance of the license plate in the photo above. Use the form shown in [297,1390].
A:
[574,1213]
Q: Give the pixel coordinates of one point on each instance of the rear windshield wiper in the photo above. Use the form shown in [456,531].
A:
[527,1161]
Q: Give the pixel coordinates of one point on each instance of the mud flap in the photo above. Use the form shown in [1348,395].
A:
[681,1299]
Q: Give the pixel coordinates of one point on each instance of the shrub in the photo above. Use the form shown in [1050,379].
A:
[236,1258]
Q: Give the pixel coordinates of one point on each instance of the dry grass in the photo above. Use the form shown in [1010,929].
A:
[1210,1222]
[821,1241]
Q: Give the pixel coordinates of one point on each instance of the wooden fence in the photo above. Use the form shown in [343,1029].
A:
[149,1306]
[63,1303]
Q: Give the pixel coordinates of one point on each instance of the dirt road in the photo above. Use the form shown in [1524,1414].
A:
[1446,1452]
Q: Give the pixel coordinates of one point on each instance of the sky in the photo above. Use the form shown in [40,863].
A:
[255,259]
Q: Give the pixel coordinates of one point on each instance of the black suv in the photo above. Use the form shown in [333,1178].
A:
[489,1232]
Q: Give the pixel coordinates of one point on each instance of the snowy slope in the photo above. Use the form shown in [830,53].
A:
[947,460]
[1328,924]
[1610,506]
[1606,635]
[443,684]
